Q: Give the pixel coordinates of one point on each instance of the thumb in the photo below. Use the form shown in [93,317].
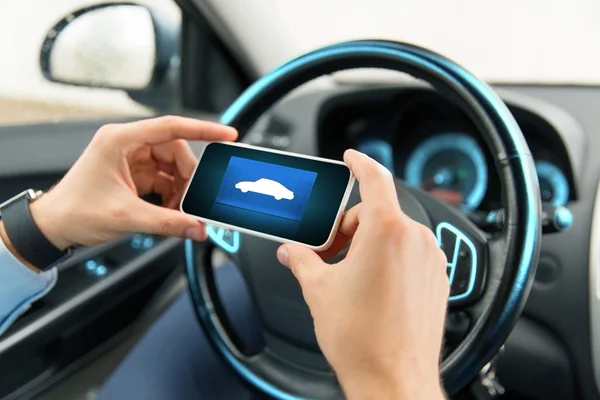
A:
[301,260]
[167,222]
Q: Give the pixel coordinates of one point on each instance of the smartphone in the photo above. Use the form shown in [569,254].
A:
[268,193]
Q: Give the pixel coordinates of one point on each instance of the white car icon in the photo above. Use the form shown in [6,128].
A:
[267,187]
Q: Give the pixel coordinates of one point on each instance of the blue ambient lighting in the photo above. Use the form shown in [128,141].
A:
[136,241]
[380,150]
[101,270]
[148,242]
[563,218]
[224,238]
[557,181]
[91,265]
[460,237]
[466,157]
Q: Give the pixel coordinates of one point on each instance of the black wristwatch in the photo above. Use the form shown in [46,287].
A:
[25,236]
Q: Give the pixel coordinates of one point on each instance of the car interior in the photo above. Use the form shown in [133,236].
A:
[524,313]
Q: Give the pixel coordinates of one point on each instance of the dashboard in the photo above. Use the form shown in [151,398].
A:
[425,140]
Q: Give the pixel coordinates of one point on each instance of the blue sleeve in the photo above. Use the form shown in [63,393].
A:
[19,287]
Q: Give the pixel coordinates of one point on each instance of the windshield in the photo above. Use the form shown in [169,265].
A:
[27,97]
[512,41]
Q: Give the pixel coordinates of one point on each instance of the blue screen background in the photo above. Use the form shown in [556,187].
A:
[299,181]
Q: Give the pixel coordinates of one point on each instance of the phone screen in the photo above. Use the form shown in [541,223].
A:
[282,195]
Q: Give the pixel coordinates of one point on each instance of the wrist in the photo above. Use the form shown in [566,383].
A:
[46,215]
[4,239]
[398,387]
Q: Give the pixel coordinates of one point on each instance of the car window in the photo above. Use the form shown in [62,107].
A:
[513,41]
[27,96]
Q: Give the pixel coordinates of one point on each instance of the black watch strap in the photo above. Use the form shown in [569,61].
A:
[25,236]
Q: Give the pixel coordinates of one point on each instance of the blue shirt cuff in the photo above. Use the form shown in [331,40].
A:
[20,287]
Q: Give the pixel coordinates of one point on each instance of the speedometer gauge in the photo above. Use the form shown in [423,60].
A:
[451,166]
[554,187]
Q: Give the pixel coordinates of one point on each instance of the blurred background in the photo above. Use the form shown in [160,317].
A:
[515,41]
[25,96]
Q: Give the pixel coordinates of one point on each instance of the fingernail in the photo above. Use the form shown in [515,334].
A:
[282,255]
[195,233]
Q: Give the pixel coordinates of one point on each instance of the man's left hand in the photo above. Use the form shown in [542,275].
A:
[99,198]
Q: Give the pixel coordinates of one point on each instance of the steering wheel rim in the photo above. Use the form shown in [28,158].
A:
[520,238]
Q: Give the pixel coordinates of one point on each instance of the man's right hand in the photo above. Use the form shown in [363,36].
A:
[379,313]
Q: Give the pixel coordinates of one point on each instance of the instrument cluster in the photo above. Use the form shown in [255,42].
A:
[428,142]
[453,166]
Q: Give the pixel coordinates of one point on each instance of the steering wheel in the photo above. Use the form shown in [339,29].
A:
[491,275]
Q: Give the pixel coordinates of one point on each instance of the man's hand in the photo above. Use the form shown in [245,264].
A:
[379,313]
[98,199]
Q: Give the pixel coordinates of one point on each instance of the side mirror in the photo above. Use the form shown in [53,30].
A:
[115,46]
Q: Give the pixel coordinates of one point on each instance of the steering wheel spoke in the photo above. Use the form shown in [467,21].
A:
[465,264]
[465,246]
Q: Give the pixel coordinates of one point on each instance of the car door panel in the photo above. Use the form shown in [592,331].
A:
[90,309]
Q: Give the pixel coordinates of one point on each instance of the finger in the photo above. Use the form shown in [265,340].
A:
[345,233]
[142,169]
[166,167]
[157,220]
[179,187]
[178,159]
[164,185]
[376,183]
[180,182]
[164,129]
[175,153]
[349,222]
[300,260]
